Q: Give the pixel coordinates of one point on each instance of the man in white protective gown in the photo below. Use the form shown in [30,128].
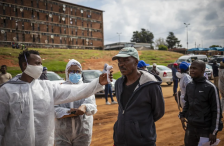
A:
[27,115]
[74,123]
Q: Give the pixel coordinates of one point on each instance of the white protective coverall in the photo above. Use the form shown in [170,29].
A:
[221,85]
[184,80]
[76,130]
[27,115]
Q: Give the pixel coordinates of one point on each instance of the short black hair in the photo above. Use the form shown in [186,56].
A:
[27,54]
[3,66]
[184,71]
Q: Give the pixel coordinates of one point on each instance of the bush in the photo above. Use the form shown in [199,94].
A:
[163,47]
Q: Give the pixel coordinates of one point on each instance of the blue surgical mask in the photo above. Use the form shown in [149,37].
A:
[74,77]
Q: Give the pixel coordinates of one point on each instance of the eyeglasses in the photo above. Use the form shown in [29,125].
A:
[75,71]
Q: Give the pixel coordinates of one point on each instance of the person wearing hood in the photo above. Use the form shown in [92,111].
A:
[27,115]
[184,80]
[108,89]
[142,65]
[140,100]
[74,129]
[221,82]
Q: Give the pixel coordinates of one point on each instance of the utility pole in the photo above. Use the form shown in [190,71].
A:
[119,35]
[187,32]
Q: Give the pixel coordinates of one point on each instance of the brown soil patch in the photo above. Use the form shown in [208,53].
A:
[7,62]
[169,129]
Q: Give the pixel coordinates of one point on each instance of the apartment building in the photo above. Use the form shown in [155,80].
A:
[50,24]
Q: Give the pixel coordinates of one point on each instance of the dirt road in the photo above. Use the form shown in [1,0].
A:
[169,130]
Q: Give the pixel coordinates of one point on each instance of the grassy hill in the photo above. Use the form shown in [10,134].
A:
[56,59]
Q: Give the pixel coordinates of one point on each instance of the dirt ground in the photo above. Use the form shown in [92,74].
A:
[169,129]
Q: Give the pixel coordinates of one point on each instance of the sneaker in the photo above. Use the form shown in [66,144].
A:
[113,102]
[108,103]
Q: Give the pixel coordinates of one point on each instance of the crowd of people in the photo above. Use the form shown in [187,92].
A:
[35,111]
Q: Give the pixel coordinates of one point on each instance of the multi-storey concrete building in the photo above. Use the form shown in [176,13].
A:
[50,24]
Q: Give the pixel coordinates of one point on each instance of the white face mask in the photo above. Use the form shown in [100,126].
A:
[33,71]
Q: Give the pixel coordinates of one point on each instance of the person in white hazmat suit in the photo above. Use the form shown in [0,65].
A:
[27,115]
[221,82]
[184,80]
[74,130]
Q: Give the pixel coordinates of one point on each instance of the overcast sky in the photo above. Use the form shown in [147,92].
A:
[206,18]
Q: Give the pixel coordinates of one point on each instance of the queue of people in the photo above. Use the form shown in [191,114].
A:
[33,103]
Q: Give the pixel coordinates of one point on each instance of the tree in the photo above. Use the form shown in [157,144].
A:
[143,36]
[160,41]
[215,46]
[162,47]
[171,40]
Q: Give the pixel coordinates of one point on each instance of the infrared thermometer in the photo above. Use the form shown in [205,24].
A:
[108,73]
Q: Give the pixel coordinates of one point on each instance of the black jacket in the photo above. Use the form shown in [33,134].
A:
[202,108]
[135,125]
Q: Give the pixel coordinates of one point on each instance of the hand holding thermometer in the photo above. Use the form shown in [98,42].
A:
[108,73]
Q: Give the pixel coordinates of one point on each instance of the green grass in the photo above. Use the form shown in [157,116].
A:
[159,57]
[56,59]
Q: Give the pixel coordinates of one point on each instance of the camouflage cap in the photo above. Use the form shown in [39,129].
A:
[127,52]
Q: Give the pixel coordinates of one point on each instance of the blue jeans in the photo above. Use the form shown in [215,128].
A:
[175,82]
[108,90]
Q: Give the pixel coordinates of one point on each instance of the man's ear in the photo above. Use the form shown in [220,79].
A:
[24,65]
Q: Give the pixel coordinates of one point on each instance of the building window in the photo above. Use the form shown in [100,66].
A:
[4,21]
[91,34]
[82,22]
[17,36]
[22,14]
[76,42]
[60,29]
[71,11]
[72,41]
[16,25]
[82,33]
[5,36]
[52,40]
[87,32]
[32,14]
[15,1]
[31,3]
[60,40]
[52,28]
[37,15]
[16,11]
[3,10]
[87,24]
[51,7]
[46,5]
[47,39]
[91,25]
[38,27]
[65,40]
[47,17]
[75,22]
[24,37]
[64,30]
[32,26]
[83,42]
[75,11]
[21,2]
[72,31]
[76,32]
[22,25]
[37,4]
[47,28]
[52,19]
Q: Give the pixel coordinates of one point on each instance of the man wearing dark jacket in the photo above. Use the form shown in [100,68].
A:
[140,100]
[202,108]
[215,69]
